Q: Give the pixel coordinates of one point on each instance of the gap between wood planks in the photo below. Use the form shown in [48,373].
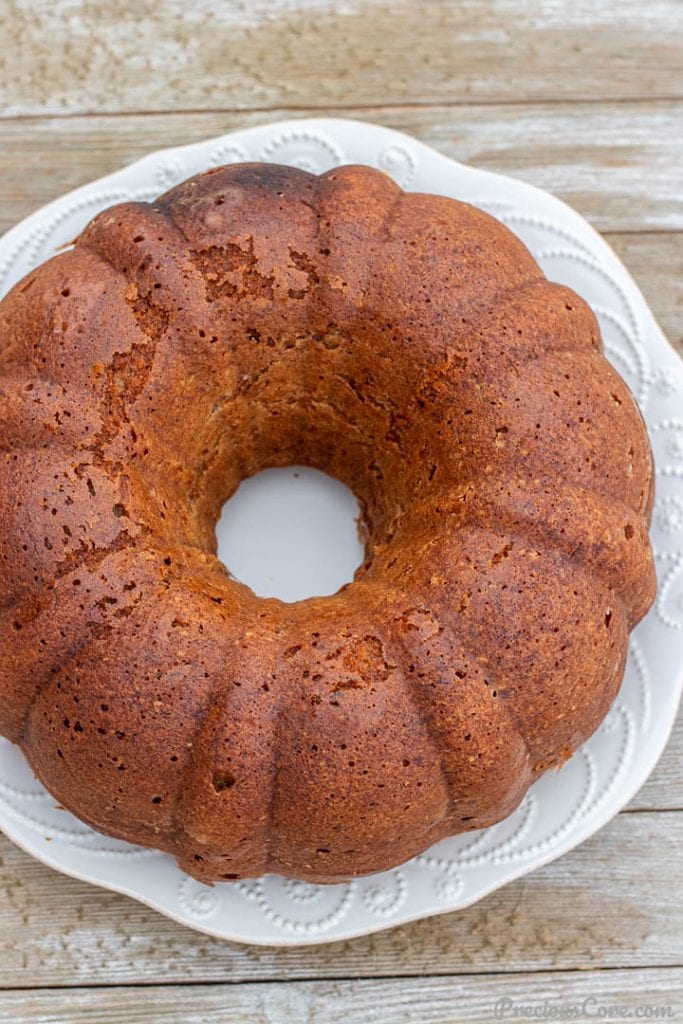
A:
[392,1000]
[303,979]
[333,108]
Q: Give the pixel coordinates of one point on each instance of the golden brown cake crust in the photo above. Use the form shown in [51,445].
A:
[255,316]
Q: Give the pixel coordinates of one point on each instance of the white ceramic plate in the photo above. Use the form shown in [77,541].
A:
[564,807]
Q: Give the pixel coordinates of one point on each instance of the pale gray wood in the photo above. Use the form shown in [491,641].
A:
[429,1000]
[612,902]
[664,789]
[656,263]
[618,164]
[170,54]
[480,81]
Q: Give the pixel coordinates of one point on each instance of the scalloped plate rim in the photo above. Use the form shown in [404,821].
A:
[655,745]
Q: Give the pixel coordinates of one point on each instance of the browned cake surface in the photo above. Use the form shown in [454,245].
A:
[407,344]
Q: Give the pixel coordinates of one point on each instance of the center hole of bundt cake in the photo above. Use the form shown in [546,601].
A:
[291,533]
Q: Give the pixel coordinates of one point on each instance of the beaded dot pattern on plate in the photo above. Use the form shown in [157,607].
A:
[562,808]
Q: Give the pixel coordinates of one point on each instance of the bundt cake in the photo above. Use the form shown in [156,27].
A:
[409,345]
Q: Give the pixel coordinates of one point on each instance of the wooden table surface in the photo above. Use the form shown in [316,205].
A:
[584,98]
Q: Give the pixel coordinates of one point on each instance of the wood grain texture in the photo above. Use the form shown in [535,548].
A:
[584,99]
[599,906]
[66,56]
[431,1000]
[617,164]
[656,263]
[664,789]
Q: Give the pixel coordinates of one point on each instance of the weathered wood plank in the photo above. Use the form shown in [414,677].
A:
[664,789]
[656,263]
[479,81]
[429,1000]
[55,931]
[74,57]
[618,164]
